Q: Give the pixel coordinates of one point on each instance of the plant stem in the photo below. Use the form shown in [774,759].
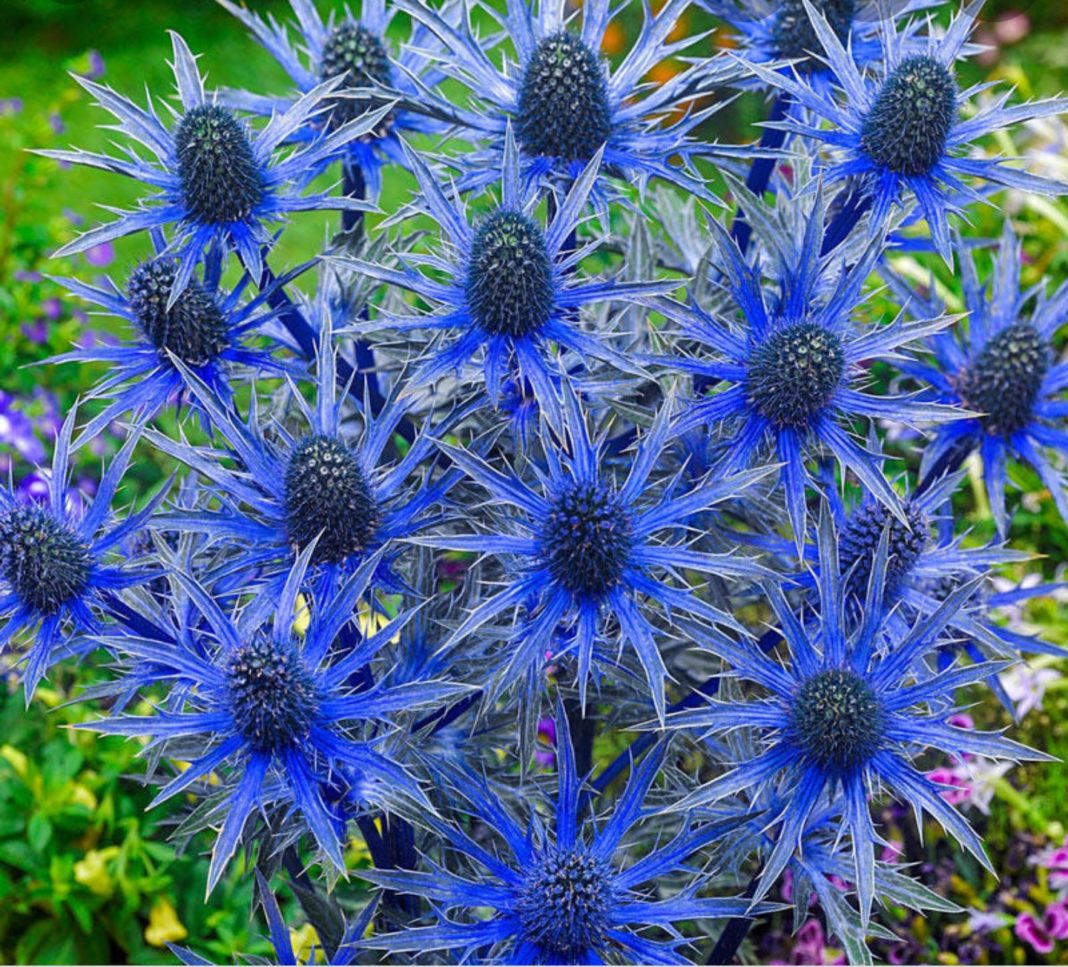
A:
[322,913]
[761,170]
[855,206]
[354,185]
[734,933]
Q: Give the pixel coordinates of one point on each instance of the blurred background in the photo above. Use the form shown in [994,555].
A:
[86,876]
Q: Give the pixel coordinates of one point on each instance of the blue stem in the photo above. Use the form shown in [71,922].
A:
[761,170]
[852,210]
[354,185]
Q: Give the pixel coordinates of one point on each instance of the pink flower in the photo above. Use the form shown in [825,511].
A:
[1056,861]
[810,946]
[891,851]
[1043,934]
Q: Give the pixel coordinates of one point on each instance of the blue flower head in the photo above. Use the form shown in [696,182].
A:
[322,485]
[1000,362]
[559,894]
[770,32]
[206,327]
[845,715]
[216,180]
[513,291]
[593,551]
[358,50]
[279,717]
[55,572]
[792,374]
[563,102]
[899,130]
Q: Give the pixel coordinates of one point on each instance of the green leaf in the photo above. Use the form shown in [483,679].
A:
[38,833]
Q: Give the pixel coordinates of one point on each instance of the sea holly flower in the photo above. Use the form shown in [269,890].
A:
[900,129]
[770,32]
[563,893]
[592,551]
[1000,363]
[512,292]
[216,180]
[56,558]
[277,716]
[845,716]
[791,376]
[206,327]
[358,50]
[565,104]
[925,561]
[325,485]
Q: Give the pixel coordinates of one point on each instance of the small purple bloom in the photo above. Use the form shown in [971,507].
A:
[33,488]
[544,754]
[53,307]
[10,105]
[100,255]
[56,123]
[96,65]
[36,331]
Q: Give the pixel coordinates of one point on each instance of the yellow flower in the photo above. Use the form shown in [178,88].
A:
[304,941]
[16,759]
[303,616]
[92,871]
[164,927]
[83,796]
[371,622]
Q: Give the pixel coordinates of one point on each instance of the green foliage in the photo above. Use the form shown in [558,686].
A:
[86,874]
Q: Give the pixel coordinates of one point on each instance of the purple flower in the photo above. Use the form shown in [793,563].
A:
[36,331]
[33,488]
[10,105]
[53,307]
[96,65]
[16,430]
[100,255]
[22,275]
[56,122]
[544,754]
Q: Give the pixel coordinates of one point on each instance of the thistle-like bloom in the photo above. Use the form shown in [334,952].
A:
[925,561]
[770,32]
[845,716]
[565,104]
[899,129]
[357,49]
[513,292]
[216,180]
[565,895]
[206,328]
[275,715]
[1000,363]
[54,570]
[587,552]
[792,375]
[325,486]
